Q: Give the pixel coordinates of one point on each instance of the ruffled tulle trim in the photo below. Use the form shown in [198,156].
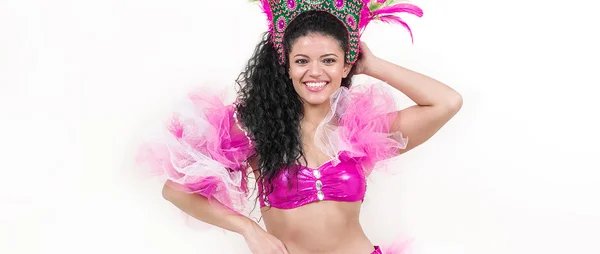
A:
[399,246]
[358,126]
[203,152]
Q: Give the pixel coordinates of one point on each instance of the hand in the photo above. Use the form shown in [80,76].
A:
[362,65]
[261,242]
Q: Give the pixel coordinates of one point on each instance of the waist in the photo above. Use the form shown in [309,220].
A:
[325,227]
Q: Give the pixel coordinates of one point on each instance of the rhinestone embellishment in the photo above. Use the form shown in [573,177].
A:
[319,185]
[281,24]
[351,21]
[291,4]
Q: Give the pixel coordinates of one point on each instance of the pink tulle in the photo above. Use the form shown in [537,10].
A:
[206,153]
[359,126]
[400,246]
[203,152]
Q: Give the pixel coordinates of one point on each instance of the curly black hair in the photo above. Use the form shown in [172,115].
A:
[268,105]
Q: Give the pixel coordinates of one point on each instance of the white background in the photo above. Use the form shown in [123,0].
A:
[516,171]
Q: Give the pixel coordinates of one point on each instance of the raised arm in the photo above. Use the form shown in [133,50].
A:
[436,102]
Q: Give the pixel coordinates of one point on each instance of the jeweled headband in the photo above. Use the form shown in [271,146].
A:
[355,14]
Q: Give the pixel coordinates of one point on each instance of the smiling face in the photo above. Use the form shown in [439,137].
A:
[317,67]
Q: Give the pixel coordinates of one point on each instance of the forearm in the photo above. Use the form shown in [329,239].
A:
[423,90]
[199,207]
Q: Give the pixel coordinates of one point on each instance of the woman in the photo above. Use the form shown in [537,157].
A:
[308,136]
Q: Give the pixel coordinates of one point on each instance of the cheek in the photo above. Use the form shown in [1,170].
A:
[296,74]
[336,72]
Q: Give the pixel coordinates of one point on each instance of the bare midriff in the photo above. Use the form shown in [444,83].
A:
[326,227]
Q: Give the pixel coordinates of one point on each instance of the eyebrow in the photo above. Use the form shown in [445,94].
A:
[329,54]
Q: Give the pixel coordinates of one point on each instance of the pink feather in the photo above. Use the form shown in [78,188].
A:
[398,8]
[266,8]
[395,19]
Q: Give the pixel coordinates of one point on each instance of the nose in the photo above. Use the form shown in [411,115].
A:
[315,69]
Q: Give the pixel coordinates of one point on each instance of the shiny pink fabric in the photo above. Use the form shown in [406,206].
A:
[342,182]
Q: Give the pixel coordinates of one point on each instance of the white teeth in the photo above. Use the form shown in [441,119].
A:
[315,84]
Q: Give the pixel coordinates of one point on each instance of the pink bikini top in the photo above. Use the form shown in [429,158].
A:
[342,182]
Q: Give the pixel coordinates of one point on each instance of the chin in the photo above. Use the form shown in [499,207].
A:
[316,101]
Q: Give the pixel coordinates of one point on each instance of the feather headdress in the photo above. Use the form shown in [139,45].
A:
[355,14]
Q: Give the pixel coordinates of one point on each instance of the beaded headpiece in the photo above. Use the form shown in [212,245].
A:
[355,14]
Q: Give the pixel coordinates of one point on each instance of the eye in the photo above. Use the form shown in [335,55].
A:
[329,60]
[301,61]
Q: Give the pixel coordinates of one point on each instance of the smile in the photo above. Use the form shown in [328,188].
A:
[315,84]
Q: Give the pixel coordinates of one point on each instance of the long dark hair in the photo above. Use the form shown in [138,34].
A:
[268,105]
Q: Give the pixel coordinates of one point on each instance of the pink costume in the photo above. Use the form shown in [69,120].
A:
[205,151]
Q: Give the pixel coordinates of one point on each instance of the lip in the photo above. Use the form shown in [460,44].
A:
[314,81]
[315,89]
